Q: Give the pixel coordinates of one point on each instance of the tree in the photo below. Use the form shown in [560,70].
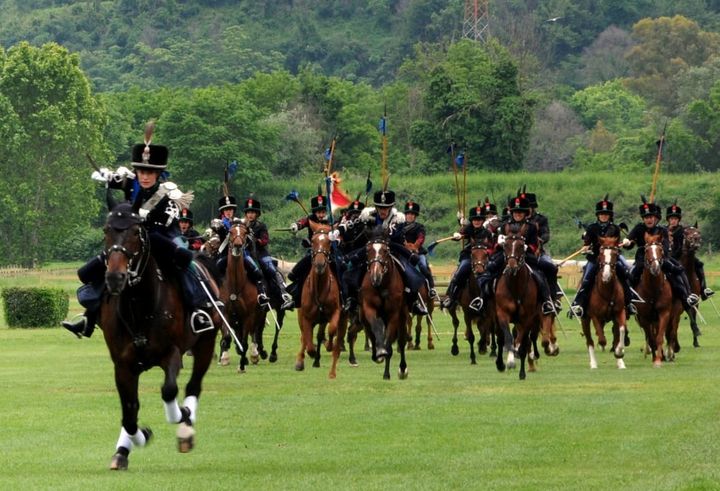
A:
[554,138]
[610,102]
[604,59]
[50,122]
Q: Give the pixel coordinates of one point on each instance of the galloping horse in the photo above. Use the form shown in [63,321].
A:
[320,304]
[479,256]
[606,304]
[383,310]
[691,243]
[240,296]
[660,313]
[145,325]
[516,301]
[424,294]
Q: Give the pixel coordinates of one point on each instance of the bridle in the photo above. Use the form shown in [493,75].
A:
[237,235]
[136,260]
[379,259]
[478,265]
[654,258]
[611,263]
[519,256]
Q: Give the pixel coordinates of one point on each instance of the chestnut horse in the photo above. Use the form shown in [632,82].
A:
[660,313]
[320,304]
[383,310]
[516,301]
[145,325]
[691,243]
[606,304]
[485,320]
[239,294]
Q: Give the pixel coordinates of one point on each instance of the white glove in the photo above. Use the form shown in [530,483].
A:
[457,236]
[294,227]
[143,213]
[102,175]
[625,242]
[334,235]
[501,239]
[464,221]
[123,172]
[460,216]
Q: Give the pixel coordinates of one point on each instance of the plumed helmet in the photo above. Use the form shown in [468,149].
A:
[227,202]
[649,209]
[476,212]
[356,206]
[252,204]
[384,199]
[519,203]
[187,215]
[489,208]
[412,207]
[673,211]
[149,156]
[318,203]
[604,206]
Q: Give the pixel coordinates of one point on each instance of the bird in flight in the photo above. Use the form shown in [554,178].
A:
[554,19]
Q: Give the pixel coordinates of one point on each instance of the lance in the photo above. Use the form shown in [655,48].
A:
[451,151]
[579,251]
[422,302]
[293,196]
[432,246]
[658,161]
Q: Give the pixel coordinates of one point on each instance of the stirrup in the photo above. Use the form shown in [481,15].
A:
[263,301]
[432,293]
[558,305]
[548,307]
[708,292]
[448,302]
[288,301]
[418,308]
[77,327]
[693,300]
[200,321]
[349,304]
[576,311]
[631,309]
[476,304]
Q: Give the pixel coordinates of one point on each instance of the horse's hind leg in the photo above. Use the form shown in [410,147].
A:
[225,343]
[470,336]
[126,381]
[173,412]
[454,350]
[273,350]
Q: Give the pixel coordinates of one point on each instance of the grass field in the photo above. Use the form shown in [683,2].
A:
[450,425]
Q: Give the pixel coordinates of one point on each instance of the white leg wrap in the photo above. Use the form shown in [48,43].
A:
[191,402]
[172,411]
[138,439]
[124,440]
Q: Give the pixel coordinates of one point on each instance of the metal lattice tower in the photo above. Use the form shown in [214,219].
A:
[476,23]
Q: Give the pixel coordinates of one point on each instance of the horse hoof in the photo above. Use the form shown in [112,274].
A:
[695,343]
[402,375]
[431,346]
[224,359]
[522,375]
[657,364]
[299,366]
[263,355]
[185,437]
[119,462]
[272,358]
[353,362]
[254,359]
[454,350]
[241,370]
[316,363]
[500,367]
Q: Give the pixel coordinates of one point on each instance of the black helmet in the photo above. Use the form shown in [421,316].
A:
[412,207]
[384,199]
[153,157]
[476,212]
[519,203]
[186,215]
[227,202]
[649,209]
[318,203]
[604,206]
[673,211]
[251,204]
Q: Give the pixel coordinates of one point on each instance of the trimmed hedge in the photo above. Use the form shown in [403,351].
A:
[35,307]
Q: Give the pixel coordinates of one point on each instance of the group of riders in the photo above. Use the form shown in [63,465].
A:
[168,221]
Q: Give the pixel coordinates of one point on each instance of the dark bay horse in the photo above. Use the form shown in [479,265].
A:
[692,240]
[239,294]
[320,304]
[383,310]
[145,325]
[418,319]
[606,304]
[516,301]
[485,320]
[660,313]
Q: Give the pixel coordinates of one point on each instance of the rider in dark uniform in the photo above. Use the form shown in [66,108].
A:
[472,232]
[261,239]
[650,213]
[193,237]
[352,234]
[415,238]
[227,205]
[317,216]
[519,209]
[673,216]
[545,262]
[603,227]
[384,217]
[158,203]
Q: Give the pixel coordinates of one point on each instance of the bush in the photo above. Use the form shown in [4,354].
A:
[34,307]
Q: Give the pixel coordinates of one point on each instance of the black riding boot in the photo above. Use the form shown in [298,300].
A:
[548,305]
[579,304]
[84,326]
[262,297]
[627,293]
[451,296]
[287,298]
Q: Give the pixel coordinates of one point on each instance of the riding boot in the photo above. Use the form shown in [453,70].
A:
[414,302]
[577,309]
[689,299]
[451,295]
[83,326]
[548,304]
[262,299]
[287,299]
[630,309]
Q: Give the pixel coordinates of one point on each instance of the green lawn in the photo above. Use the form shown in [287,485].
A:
[450,425]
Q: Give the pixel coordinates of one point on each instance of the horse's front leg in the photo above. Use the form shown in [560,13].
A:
[470,335]
[504,342]
[126,381]
[454,350]
[662,325]
[377,327]
[319,341]
[338,326]
[305,339]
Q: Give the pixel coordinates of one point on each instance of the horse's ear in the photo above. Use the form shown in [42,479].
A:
[696,224]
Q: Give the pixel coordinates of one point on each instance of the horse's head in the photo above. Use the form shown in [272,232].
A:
[692,239]
[236,237]
[378,258]
[654,253]
[479,257]
[126,248]
[321,246]
[514,250]
[607,258]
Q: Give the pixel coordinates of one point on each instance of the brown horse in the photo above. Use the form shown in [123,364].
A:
[516,301]
[659,315]
[485,320]
[606,304]
[383,310]
[429,305]
[239,294]
[145,325]
[692,240]
[320,304]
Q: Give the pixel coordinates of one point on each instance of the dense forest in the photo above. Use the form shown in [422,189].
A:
[558,86]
